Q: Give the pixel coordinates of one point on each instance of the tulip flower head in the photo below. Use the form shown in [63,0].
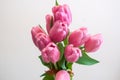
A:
[78,37]
[62,75]
[94,42]
[62,13]
[49,22]
[35,31]
[58,32]
[50,53]
[42,40]
[72,53]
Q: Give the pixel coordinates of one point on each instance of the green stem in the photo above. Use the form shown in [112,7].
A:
[71,78]
[65,42]
[51,66]
[54,77]
[55,65]
[56,3]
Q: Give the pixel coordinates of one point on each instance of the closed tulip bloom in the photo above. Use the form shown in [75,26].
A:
[62,75]
[94,42]
[72,53]
[62,13]
[59,31]
[50,53]
[78,37]
[34,31]
[42,40]
[49,22]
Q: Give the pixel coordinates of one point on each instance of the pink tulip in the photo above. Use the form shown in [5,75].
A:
[78,37]
[49,22]
[35,30]
[62,75]
[62,13]
[50,53]
[59,31]
[42,40]
[72,54]
[93,43]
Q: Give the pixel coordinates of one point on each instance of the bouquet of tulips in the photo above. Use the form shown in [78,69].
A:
[60,48]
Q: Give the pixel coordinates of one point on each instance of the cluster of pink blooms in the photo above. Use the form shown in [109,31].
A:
[57,26]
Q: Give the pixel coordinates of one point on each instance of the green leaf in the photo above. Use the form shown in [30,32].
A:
[45,64]
[69,66]
[66,41]
[61,49]
[62,63]
[48,77]
[44,74]
[86,60]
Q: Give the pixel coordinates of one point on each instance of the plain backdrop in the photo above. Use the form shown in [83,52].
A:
[19,57]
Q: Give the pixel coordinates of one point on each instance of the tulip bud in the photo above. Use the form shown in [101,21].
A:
[62,75]
[62,13]
[42,40]
[78,37]
[49,22]
[58,32]
[72,54]
[94,42]
[50,53]
[35,30]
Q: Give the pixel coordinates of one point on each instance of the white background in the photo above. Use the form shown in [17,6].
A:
[19,57]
